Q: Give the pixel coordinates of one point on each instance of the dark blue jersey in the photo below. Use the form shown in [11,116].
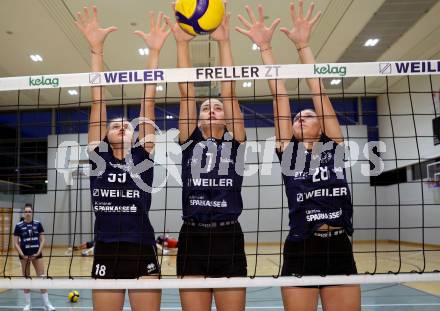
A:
[316,187]
[121,195]
[212,175]
[29,234]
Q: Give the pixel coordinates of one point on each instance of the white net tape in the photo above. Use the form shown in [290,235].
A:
[219,282]
[331,70]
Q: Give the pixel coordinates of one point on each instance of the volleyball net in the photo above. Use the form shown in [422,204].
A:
[389,113]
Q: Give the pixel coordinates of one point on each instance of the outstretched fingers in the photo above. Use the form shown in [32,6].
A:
[243,31]
[110,29]
[139,33]
[315,19]
[310,11]
[292,11]
[275,24]
[79,20]
[152,20]
[285,31]
[86,14]
[301,8]
[169,22]
[251,14]
[244,21]
[260,14]
[227,18]
[164,23]
[159,20]
[95,12]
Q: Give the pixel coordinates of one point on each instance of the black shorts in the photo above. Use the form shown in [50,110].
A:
[38,257]
[319,256]
[123,260]
[211,252]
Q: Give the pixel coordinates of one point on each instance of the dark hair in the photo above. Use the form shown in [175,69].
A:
[28,205]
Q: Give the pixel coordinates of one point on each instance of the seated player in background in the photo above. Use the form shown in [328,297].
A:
[166,244]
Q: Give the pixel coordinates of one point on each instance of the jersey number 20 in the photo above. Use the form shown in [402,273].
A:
[321,173]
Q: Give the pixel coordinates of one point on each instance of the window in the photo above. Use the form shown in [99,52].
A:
[72,121]
[35,124]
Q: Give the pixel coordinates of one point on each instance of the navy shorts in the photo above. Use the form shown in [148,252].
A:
[318,255]
[211,252]
[38,257]
[123,260]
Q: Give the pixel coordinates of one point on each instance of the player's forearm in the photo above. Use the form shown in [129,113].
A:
[98,113]
[306,56]
[183,61]
[150,89]
[147,108]
[277,87]
[225,52]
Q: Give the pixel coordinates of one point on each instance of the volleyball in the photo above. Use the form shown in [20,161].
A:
[73,296]
[199,16]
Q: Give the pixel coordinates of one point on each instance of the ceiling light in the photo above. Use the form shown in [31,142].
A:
[144,51]
[371,42]
[335,81]
[247,84]
[36,58]
[72,92]
[255,47]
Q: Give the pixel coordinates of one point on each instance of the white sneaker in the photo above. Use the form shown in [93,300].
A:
[49,307]
[27,308]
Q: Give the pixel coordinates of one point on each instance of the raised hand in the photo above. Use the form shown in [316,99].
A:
[89,26]
[222,31]
[179,34]
[257,31]
[158,33]
[302,25]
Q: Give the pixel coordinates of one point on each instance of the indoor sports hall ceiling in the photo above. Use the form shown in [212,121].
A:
[407,29]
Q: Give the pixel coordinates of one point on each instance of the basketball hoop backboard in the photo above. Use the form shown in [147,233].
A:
[433,174]
[436,100]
